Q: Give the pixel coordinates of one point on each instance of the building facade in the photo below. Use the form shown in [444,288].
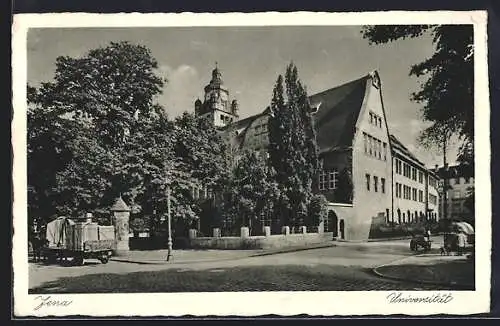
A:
[460,181]
[357,152]
[415,188]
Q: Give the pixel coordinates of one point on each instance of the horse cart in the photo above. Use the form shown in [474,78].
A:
[66,238]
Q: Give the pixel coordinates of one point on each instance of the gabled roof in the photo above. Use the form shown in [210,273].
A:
[337,113]
[397,146]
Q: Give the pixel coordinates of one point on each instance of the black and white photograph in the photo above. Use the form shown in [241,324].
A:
[233,156]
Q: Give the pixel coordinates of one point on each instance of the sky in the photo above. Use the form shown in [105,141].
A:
[251,58]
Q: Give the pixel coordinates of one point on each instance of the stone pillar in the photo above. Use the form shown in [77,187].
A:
[267,231]
[303,229]
[192,233]
[245,232]
[121,217]
[321,227]
[286,230]
[216,233]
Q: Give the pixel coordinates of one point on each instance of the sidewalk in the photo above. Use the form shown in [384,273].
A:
[448,271]
[186,256]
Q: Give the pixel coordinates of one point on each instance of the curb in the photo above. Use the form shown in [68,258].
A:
[260,254]
[397,278]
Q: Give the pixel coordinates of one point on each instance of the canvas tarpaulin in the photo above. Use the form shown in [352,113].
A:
[59,232]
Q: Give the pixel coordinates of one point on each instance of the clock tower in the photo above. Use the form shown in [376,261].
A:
[216,105]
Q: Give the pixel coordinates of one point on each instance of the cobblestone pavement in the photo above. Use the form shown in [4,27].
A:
[335,268]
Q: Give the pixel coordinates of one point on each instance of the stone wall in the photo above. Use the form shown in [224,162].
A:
[261,242]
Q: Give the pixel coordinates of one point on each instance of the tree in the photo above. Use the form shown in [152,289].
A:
[81,125]
[447,93]
[109,85]
[252,190]
[293,150]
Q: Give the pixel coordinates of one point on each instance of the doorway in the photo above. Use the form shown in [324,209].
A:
[332,225]
[342,229]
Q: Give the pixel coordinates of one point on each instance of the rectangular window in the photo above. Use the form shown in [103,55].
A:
[421,196]
[414,174]
[365,142]
[397,190]
[375,183]
[414,194]
[420,177]
[332,179]
[382,185]
[371,118]
[385,152]
[368,182]
[379,144]
[370,144]
[322,180]
[380,122]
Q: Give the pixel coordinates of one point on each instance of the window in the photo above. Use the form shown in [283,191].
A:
[368,182]
[379,148]
[371,118]
[380,122]
[414,194]
[432,199]
[420,177]
[421,196]
[370,144]
[385,152]
[332,179]
[365,142]
[397,190]
[375,183]
[400,190]
[382,185]
[414,174]
[322,180]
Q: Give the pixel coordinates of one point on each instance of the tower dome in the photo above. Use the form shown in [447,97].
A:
[216,75]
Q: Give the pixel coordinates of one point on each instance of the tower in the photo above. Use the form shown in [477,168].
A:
[216,105]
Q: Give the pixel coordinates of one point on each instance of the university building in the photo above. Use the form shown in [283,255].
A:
[460,180]
[368,176]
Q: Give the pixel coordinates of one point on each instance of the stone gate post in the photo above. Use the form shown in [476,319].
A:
[121,217]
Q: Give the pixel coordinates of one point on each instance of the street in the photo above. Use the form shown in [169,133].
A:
[341,268]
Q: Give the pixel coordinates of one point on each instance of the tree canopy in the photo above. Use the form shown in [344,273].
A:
[95,133]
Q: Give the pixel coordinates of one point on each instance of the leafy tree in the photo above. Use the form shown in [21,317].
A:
[109,86]
[252,190]
[447,93]
[80,123]
[317,209]
[293,151]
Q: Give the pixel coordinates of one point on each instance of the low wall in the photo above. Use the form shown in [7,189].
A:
[261,242]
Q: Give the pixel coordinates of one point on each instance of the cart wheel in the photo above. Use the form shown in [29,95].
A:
[78,260]
[104,259]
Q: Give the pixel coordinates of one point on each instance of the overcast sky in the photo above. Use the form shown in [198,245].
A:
[250,59]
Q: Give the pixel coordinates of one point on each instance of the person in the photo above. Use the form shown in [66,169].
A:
[461,242]
[427,234]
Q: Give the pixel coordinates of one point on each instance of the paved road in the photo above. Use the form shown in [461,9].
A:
[342,268]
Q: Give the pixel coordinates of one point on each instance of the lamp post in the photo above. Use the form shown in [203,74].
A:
[169,223]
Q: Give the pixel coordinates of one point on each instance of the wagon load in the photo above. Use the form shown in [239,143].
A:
[80,240]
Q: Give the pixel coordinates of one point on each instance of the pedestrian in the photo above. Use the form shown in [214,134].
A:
[461,242]
[428,234]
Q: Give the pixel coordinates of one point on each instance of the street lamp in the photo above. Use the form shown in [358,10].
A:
[169,221]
